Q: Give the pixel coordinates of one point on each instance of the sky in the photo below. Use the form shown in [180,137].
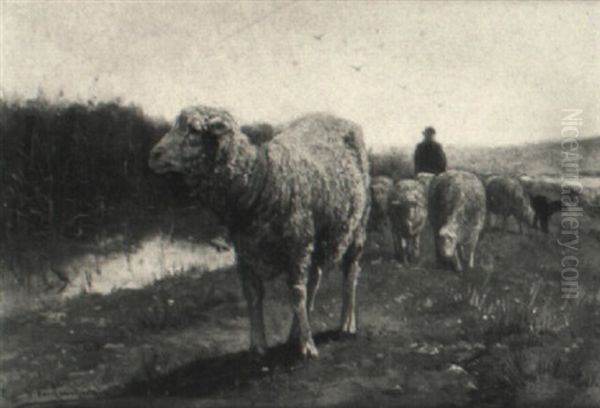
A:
[481,73]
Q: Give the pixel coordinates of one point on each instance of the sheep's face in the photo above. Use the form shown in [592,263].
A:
[380,190]
[407,215]
[379,194]
[529,214]
[446,242]
[526,211]
[198,139]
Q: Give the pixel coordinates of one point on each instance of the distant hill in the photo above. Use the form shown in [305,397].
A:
[532,159]
[540,162]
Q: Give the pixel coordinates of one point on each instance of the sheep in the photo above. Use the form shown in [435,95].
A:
[543,208]
[425,179]
[296,204]
[507,197]
[380,189]
[457,211]
[407,210]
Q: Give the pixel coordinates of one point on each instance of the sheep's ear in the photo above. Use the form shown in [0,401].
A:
[446,233]
[196,124]
[217,126]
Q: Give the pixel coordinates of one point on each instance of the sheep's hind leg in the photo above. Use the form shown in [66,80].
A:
[299,299]
[350,270]
[253,289]
[490,221]
[314,281]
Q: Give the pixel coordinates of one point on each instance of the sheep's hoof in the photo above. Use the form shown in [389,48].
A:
[309,350]
[348,328]
[258,353]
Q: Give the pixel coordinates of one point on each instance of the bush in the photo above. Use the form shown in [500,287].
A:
[68,169]
[395,163]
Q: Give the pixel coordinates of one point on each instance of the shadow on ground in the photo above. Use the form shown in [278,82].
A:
[497,336]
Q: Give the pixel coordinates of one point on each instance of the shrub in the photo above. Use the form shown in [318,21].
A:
[395,163]
[69,169]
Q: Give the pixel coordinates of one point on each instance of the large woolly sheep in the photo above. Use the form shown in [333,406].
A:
[380,190]
[457,209]
[407,211]
[292,205]
[506,197]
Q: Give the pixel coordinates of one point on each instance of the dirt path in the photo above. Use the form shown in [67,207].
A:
[497,336]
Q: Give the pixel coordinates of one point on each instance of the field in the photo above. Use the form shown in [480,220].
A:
[499,335]
[132,306]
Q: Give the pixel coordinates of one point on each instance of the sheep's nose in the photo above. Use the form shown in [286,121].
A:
[155,155]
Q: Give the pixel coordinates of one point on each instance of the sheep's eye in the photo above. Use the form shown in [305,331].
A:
[181,124]
[218,127]
[192,130]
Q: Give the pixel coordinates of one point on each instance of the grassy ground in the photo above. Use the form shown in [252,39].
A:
[499,335]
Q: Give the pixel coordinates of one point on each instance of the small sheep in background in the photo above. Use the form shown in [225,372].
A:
[544,209]
[293,205]
[260,132]
[457,211]
[425,179]
[380,190]
[506,197]
[407,211]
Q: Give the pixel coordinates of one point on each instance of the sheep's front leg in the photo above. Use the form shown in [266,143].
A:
[458,254]
[398,249]
[253,289]
[415,247]
[405,243]
[470,251]
[299,299]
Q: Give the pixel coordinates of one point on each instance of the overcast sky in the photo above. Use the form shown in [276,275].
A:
[481,73]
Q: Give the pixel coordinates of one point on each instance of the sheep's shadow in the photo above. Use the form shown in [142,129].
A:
[208,376]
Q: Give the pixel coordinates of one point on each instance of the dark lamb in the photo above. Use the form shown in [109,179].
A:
[544,209]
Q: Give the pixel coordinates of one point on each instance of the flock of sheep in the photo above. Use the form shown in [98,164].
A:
[299,203]
[458,205]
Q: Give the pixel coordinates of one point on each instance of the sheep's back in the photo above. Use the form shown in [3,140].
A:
[315,183]
[503,194]
[459,197]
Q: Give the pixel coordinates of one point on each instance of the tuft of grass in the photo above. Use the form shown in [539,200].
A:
[394,163]
[71,171]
